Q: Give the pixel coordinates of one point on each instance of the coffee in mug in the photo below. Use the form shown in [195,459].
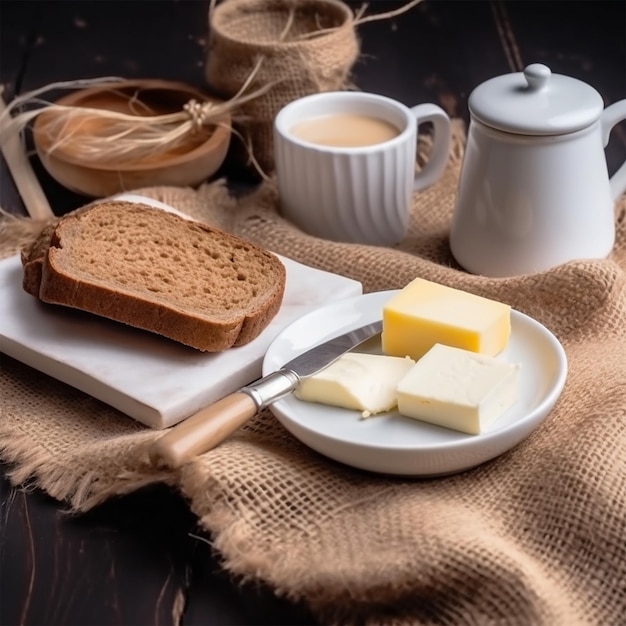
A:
[346,164]
[345,130]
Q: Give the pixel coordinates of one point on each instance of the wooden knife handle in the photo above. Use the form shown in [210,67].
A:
[202,431]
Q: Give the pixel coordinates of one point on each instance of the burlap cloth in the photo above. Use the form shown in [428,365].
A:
[536,536]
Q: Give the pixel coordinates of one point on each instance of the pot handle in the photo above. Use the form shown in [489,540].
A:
[611,116]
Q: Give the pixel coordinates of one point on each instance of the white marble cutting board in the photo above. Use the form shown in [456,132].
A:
[152,379]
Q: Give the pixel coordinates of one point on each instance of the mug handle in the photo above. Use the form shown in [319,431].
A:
[611,116]
[442,136]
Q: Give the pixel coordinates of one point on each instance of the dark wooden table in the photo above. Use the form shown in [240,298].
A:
[132,559]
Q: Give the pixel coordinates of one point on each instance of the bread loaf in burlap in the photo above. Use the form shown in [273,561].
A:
[299,46]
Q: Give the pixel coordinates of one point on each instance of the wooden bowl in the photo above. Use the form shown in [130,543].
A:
[189,164]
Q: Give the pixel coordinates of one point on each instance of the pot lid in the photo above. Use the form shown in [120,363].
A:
[536,102]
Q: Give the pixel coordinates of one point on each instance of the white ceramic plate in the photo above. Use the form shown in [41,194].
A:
[391,443]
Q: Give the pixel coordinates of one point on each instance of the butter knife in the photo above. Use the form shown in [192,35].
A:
[207,428]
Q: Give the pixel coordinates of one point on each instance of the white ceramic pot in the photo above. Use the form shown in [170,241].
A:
[534,190]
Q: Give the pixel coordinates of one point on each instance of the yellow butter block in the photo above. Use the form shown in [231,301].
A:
[425,313]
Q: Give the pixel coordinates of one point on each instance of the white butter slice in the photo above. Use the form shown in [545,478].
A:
[458,389]
[364,382]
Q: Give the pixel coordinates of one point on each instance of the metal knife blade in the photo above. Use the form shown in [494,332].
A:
[321,356]
[209,427]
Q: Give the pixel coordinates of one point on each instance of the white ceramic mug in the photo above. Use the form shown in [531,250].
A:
[359,194]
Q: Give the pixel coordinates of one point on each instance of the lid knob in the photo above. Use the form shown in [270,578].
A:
[537,76]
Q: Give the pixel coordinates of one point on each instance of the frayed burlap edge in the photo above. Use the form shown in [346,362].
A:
[33,471]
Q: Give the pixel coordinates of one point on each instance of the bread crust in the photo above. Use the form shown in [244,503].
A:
[32,257]
[49,273]
[33,254]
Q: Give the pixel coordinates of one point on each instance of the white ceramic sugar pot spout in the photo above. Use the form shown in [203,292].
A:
[534,190]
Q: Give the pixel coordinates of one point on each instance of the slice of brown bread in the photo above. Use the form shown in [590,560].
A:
[32,259]
[157,271]
[33,254]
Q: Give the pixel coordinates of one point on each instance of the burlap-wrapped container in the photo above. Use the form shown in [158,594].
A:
[310,44]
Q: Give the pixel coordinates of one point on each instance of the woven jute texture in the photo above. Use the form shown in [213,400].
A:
[263,39]
[535,537]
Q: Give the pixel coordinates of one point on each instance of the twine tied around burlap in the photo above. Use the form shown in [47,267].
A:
[533,538]
[311,44]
